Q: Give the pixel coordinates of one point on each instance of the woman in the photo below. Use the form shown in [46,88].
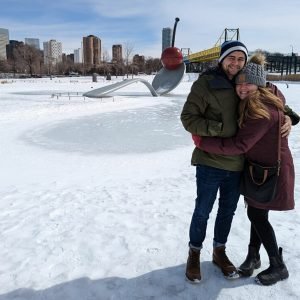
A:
[257,138]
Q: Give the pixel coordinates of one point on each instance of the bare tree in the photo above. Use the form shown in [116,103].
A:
[79,68]
[28,57]
[4,66]
[152,65]
[65,66]
[118,68]
[13,63]
[127,53]
[105,56]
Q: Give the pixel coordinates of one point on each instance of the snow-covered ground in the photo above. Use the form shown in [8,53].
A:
[97,197]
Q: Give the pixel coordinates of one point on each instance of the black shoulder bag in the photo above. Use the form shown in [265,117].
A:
[259,182]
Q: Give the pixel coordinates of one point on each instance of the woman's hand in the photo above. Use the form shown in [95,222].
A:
[286,127]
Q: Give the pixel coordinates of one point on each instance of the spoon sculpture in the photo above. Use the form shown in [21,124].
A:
[166,79]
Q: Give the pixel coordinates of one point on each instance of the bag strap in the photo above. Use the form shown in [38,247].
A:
[279,143]
[253,179]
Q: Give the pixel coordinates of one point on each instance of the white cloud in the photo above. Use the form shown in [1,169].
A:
[271,25]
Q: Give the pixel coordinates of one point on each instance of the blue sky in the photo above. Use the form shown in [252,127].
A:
[272,25]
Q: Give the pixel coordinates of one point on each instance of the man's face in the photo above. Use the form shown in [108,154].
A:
[233,63]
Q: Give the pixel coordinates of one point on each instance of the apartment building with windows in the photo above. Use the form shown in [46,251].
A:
[52,52]
[117,55]
[91,47]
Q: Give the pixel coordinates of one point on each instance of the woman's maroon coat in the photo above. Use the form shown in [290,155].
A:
[258,140]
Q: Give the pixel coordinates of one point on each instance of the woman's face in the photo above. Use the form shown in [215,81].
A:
[244,90]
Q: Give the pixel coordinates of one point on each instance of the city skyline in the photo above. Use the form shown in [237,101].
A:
[268,25]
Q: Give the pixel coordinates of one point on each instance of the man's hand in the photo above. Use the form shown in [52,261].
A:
[286,127]
[197,140]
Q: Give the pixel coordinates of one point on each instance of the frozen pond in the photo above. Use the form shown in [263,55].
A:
[132,131]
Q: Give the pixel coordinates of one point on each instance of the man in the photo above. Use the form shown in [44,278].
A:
[211,110]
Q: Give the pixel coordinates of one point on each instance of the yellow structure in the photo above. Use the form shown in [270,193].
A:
[214,52]
[205,55]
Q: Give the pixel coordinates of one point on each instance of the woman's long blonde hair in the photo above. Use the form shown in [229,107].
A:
[254,106]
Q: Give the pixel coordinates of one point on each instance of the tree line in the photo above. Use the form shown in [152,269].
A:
[27,60]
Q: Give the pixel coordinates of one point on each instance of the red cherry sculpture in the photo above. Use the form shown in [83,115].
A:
[171,58]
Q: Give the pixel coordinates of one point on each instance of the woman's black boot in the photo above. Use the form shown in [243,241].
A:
[251,262]
[277,271]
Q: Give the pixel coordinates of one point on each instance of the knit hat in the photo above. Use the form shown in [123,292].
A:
[253,72]
[231,46]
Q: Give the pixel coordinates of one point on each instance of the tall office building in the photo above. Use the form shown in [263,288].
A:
[138,59]
[91,47]
[52,52]
[33,42]
[78,55]
[117,55]
[4,40]
[166,38]
[10,48]
[68,57]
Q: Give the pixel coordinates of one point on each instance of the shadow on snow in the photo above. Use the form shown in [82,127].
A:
[168,283]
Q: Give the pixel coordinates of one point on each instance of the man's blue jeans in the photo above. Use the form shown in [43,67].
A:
[209,181]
